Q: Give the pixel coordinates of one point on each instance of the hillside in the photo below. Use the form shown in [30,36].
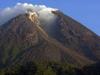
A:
[26,38]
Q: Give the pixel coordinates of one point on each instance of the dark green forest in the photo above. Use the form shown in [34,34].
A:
[52,68]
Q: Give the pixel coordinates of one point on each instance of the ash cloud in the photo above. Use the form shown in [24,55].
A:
[44,12]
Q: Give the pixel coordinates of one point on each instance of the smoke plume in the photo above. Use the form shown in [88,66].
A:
[44,12]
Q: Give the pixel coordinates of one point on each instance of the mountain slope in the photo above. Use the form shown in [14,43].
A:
[74,35]
[26,38]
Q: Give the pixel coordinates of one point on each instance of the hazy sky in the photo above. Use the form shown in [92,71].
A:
[86,12]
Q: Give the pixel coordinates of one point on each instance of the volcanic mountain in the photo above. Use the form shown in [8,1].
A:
[26,38]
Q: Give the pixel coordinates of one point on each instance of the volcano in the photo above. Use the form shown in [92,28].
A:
[26,38]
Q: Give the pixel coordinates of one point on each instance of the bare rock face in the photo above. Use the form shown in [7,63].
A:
[79,37]
[26,38]
[75,36]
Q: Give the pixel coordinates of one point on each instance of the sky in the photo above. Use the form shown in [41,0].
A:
[86,12]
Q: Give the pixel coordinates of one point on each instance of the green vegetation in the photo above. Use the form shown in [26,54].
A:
[50,68]
[32,68]
[49,71]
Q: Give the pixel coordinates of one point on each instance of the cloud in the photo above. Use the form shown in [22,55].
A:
[21,8]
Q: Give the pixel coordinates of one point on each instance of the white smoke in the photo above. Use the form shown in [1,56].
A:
[21,8]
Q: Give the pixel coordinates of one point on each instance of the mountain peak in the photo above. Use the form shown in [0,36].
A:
[22,8]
